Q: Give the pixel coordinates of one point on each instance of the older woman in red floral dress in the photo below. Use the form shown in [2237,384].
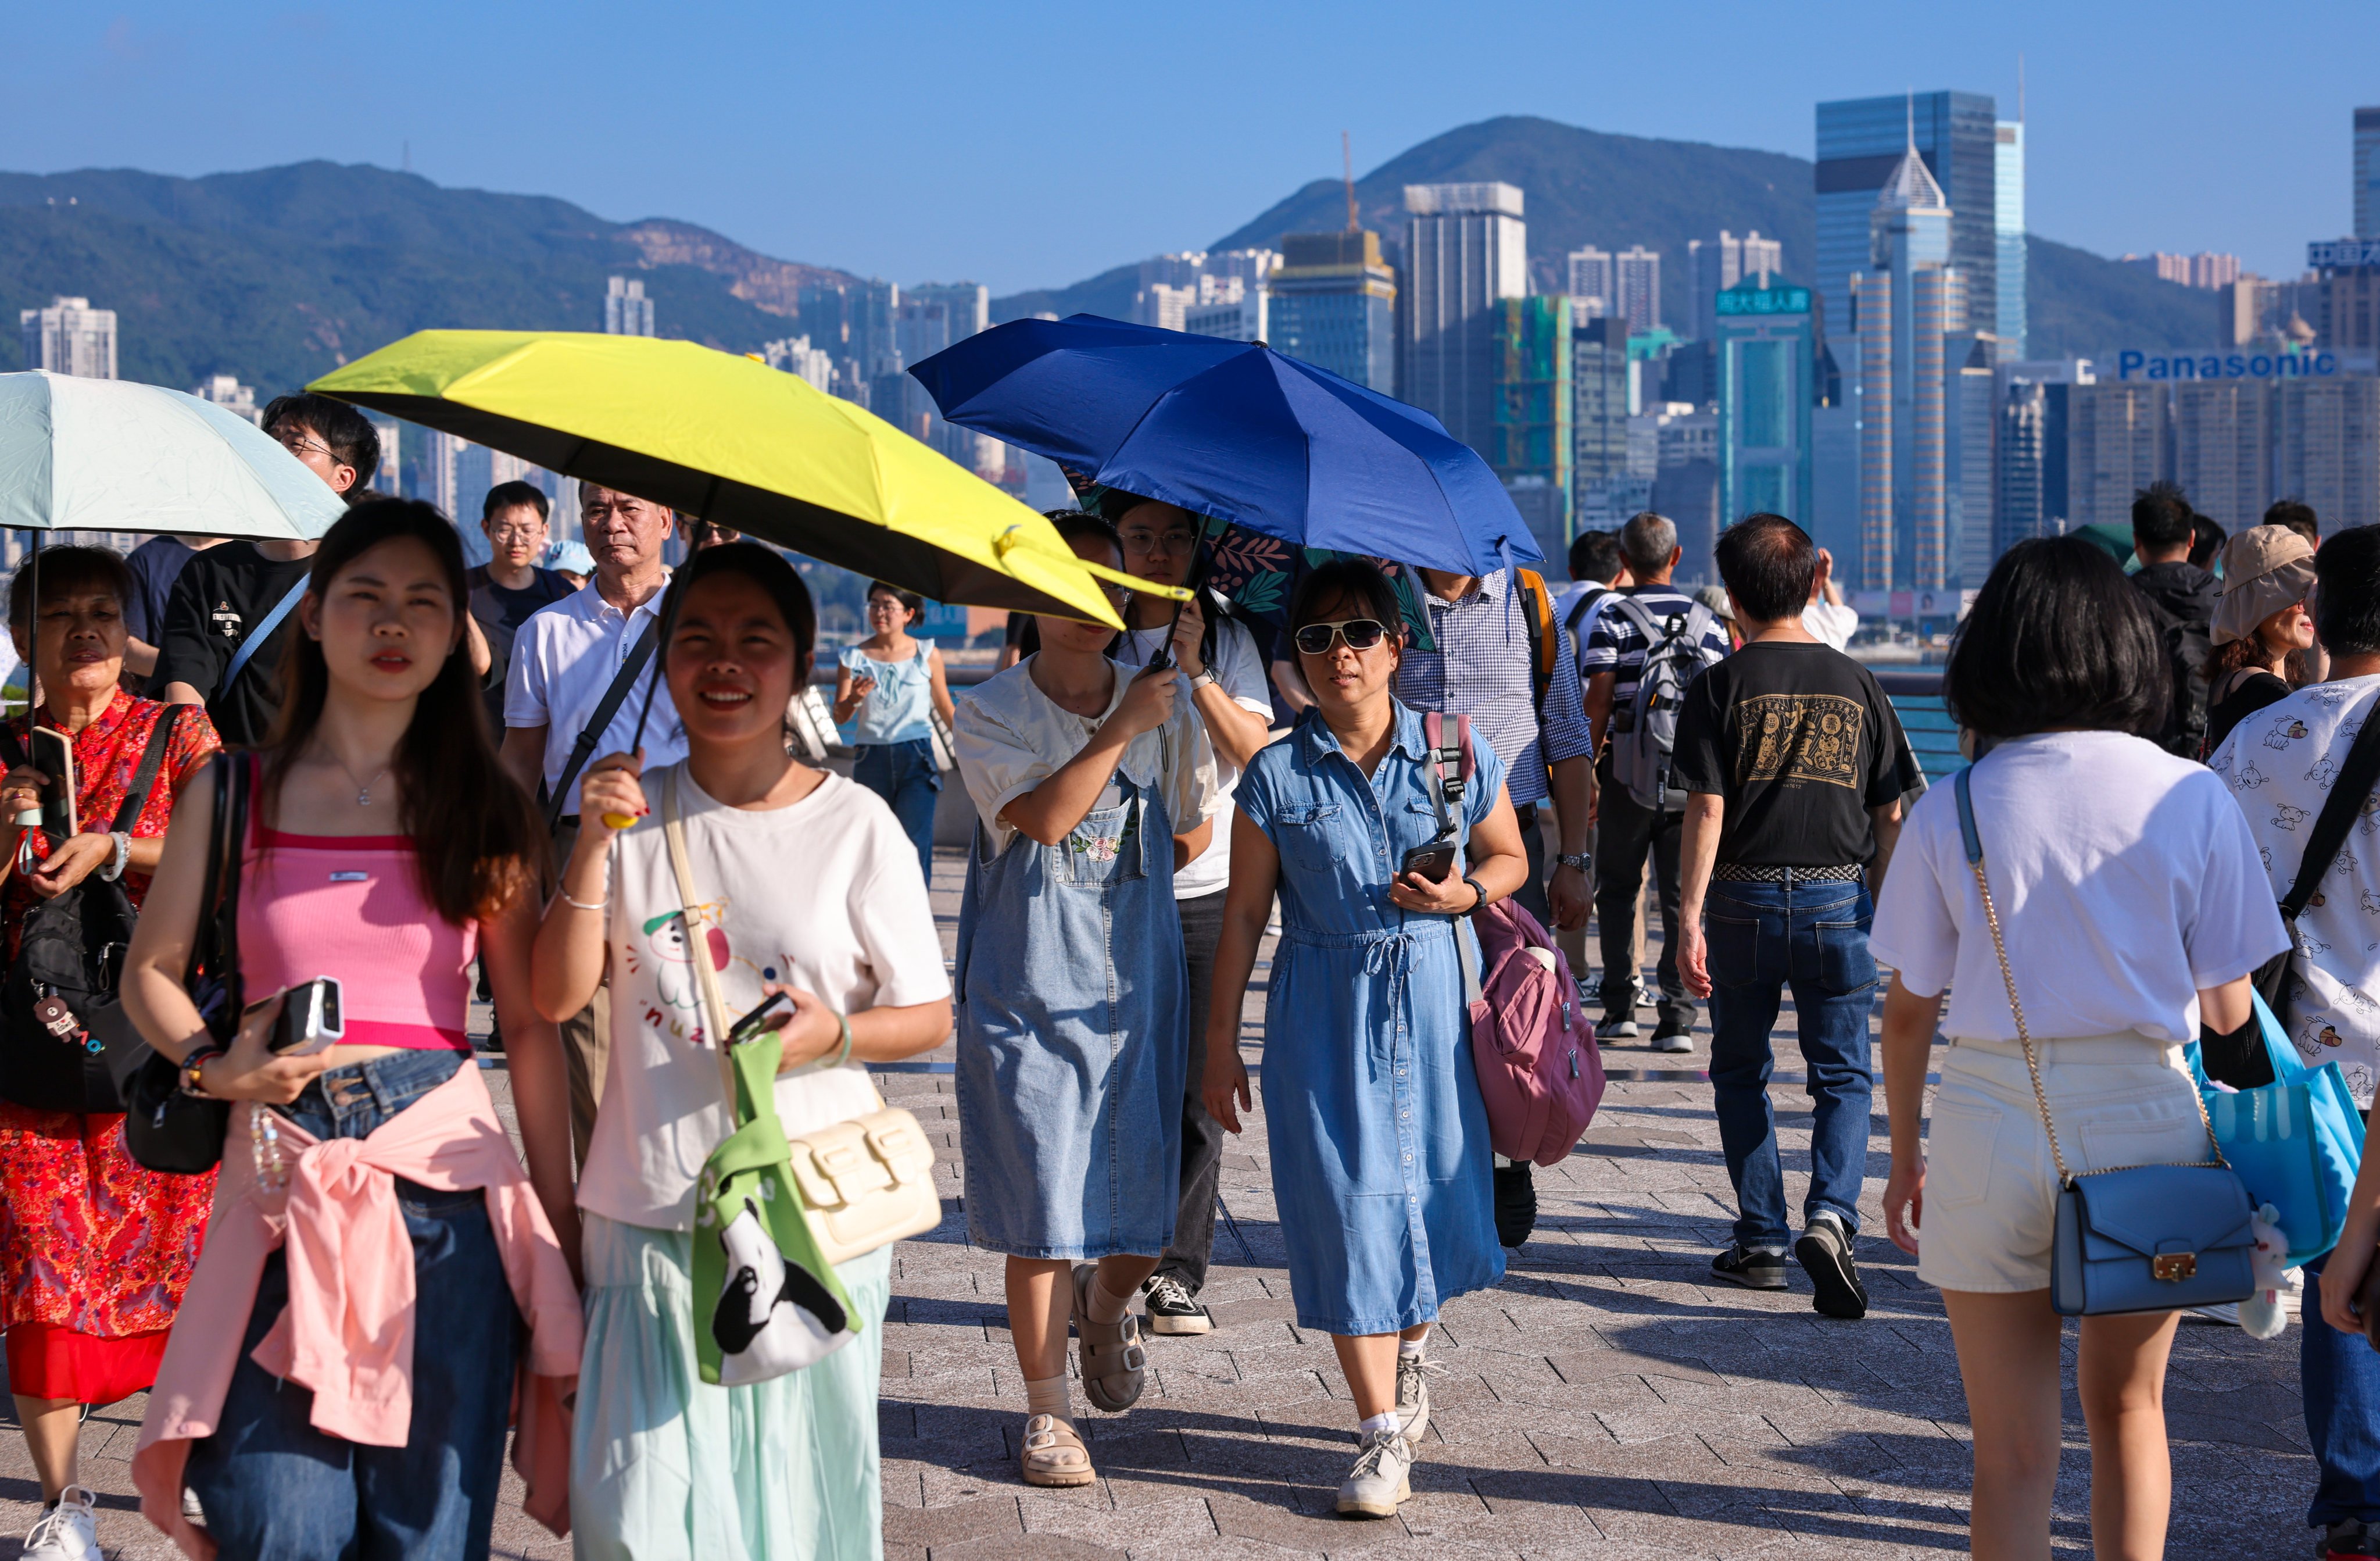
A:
[94,1250]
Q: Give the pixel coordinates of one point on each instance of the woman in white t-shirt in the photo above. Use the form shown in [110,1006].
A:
[815,893]
[2133,905]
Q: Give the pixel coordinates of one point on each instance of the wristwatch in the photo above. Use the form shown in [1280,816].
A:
[1583,861]
[1205,676]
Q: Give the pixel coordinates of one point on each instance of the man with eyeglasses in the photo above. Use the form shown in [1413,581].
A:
[510,586]
[1501,657]
[1223,681]
[232,608]
[573,686]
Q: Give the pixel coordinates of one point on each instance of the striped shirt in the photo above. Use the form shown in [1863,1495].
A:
[1481,669]
[1615,644]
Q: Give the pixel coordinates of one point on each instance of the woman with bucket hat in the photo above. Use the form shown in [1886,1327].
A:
[2260,624]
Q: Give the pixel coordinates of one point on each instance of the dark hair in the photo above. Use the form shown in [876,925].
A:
[353,440]
[1595,556]
[1769,565]
[767,569]
[478,839]
[512,495]
[65,571]
[910,600]
[2347,591]
[1073,525]
[1357,580]
[2160,516]
[2057,637]
[2206,539]
[2298,516]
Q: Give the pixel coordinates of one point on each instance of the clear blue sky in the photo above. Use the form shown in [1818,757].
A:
[1037,142]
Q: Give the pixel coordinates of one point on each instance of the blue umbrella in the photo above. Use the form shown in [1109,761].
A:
[1237,431]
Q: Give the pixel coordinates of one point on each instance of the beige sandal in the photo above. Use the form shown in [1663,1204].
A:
[1113,1363]
[1054,1454]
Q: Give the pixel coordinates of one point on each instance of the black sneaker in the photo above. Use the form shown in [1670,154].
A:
[1825,1253]
[1667,1040]
[2347,1540]
[1616,1027]
[1516,1205]
[1753,1270]
[1173,1308]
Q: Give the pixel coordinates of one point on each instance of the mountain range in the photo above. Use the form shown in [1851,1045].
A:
[279,275]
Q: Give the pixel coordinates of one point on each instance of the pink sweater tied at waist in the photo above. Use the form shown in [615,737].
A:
[348,1331]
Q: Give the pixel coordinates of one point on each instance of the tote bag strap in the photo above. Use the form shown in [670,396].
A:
[1973,841]
[706,979]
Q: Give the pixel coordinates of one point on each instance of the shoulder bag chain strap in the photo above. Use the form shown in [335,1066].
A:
[2032,1065]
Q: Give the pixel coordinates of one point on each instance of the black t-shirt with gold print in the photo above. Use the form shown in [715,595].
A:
[1800,742]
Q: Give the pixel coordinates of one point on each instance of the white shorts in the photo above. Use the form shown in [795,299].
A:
[1991,1188]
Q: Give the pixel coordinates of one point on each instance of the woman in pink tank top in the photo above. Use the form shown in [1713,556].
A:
[386,847]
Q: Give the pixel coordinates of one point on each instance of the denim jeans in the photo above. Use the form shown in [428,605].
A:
[277,1489]
[2340,1376]
[1202,1137]
[903,775]
[1812,936]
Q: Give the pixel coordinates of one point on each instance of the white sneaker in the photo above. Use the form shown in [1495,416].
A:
[1378,1482]
[68,1531]
[190,1508]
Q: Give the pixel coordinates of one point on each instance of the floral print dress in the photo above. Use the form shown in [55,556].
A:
[94,1250]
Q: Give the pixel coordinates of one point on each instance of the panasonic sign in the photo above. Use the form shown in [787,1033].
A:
[2132,364]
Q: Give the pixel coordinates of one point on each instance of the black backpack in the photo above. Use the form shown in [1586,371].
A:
[70,956]
[2188,646]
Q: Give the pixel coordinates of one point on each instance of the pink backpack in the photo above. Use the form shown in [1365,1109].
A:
[1531,1042]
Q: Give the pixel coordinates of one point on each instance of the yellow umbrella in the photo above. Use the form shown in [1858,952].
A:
[742,446]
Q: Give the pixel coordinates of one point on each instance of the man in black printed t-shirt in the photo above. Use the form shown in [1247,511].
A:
[1794,765]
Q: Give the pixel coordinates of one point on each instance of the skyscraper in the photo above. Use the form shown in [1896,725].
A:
[1466,251]
[2328,431]
[1907,300]
[2007,232]
[1637,277]
[225,391]
[796,357]
[1590,282]
[1860,145]
[1717,265]
[1334,305]
[966,305]
[2223,448]
[920,329]
[1599,396]
[70,337]
[1766,341]
[2367,173]
[626,310]
[2117,442]
[1532,444]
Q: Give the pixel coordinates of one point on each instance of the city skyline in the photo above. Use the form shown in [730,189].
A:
[2106,170]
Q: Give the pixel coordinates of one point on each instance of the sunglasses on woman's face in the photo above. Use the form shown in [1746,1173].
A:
[1361,634]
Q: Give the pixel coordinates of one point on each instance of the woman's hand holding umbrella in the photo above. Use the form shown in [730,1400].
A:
[612,795]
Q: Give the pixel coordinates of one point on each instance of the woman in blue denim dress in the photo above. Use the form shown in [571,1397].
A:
[894,685]
[1372,1112]
[1091,787]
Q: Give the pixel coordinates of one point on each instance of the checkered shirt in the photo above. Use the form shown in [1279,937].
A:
[1481,669]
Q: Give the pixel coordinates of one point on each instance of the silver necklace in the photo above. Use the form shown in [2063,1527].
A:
[363,788]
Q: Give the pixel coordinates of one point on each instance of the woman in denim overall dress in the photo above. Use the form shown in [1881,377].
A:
[1091,787]
[1378,1138]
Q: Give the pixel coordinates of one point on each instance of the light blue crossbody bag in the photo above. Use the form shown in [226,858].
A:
[2130,1237]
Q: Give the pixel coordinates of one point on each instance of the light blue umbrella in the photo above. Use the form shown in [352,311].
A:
[112,456]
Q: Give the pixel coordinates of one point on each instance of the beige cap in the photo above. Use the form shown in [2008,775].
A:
[2266,568]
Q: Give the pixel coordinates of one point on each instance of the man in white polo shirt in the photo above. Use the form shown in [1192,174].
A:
[589,650]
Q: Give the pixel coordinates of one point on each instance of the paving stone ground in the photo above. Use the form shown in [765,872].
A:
[1606,1402]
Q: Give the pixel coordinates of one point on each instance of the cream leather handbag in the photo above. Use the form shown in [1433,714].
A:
[865,1183]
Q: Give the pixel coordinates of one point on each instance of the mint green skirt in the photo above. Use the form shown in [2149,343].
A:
[664,1467]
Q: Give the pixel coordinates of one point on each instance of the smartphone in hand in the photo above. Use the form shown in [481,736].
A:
[312,1018]
[52,753]
[1433,860]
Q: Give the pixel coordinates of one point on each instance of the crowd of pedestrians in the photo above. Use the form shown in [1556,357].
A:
[578,799]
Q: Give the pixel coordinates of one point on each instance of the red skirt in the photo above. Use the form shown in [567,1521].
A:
[95,1252]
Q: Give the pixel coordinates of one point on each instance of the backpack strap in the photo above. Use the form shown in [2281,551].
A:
[144,779]
[2356,779]
[1446,793]
[1538,617]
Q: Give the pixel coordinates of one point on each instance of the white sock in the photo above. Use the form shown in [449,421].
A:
[1377,1423]
[1106,1306]
[1047,1396]
[1410,1349]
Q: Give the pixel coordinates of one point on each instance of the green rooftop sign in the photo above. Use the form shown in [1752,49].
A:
[1745,298]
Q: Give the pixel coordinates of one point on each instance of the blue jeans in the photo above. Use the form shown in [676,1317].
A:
[2340,1375]
[1812,936]
[274,1488]
[903,775]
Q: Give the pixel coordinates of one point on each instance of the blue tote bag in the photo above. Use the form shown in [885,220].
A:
[2297,1142]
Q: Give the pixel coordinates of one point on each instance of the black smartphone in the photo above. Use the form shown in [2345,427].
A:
[751,1024]
[53,754]
[1433,860]
[311,1020]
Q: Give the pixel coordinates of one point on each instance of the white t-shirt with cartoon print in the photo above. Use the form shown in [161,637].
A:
[2280,764]
[824,896]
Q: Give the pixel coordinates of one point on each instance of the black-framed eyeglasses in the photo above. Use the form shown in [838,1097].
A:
[1361,634]
[296,441]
